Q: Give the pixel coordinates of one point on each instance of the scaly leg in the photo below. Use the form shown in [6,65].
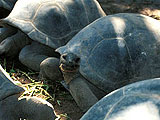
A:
[12,45]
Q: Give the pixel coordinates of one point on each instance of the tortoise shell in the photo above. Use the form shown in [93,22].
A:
[53,22]
[117,49]
[140,100]
[7,86]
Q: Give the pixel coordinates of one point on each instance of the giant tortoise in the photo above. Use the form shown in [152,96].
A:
[13,108]
[45,25]
[138,101]
[110,52]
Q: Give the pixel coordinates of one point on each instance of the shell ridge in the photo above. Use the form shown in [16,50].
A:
[51,36]
[63,10]
[128,51]
[111,109]
[85,10]
[16,19]
[124,91]
[31,32]
[88,65]
[36,12]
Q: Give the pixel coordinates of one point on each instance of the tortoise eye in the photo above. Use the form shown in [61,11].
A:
[77,60]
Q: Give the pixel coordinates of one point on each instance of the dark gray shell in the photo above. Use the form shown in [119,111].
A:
[7,4]
[117,49]
[134,1]
[7,86]
[137,100]
[53,22]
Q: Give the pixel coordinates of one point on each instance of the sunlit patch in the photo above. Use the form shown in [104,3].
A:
[75,46]
[121,42]
[119,26]
[153,26]
[141,111]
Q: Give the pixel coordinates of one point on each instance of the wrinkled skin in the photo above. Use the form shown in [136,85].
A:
[11,39]
[78,86]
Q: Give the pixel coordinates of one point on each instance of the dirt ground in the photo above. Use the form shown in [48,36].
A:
[63,102]
[147,8]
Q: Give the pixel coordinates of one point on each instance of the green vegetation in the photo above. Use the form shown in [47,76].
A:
[24,79]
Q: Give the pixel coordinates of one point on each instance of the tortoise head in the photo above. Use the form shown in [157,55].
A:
[69,62]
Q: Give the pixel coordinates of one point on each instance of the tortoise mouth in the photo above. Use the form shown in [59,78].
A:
[68,68]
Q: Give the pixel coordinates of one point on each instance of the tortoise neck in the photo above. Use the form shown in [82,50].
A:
[69,76]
